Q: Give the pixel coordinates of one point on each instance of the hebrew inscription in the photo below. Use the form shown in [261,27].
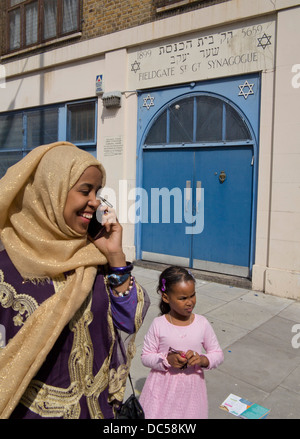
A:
[241,49]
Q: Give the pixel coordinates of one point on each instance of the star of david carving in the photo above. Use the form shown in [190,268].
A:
[264,41]
[246,89]
[135,66]
[148,101]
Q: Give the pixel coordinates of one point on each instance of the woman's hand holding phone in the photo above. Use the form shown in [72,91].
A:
[106,233]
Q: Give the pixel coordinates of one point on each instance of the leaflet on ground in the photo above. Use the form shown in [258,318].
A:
[243,408]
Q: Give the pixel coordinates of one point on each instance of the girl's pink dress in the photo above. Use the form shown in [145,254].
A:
[171,393]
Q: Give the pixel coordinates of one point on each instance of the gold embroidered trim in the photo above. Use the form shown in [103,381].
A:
[59,282]
[23,304]
[50,401]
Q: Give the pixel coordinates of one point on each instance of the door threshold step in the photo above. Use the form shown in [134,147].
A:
[226,279]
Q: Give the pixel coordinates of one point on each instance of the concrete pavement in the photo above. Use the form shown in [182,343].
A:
[255,331]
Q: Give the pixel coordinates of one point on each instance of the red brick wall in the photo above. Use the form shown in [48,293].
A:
[105,17]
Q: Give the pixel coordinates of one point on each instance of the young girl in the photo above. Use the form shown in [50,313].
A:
[175,387]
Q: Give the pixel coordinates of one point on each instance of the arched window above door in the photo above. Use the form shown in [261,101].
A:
[198,119]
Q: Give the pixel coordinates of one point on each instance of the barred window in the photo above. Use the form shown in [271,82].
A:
[81,123]
[198,119]
[41,127]
[31,22]
[21,131]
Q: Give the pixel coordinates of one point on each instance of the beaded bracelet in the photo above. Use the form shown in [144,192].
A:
[124,293]
[127,269]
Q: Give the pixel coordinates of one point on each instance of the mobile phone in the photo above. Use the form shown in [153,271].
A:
[95,228]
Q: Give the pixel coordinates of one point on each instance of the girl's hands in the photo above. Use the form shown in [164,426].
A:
[177,360]
[194,359]
[190,358]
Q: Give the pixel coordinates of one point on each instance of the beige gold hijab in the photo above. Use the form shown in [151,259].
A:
[41,246]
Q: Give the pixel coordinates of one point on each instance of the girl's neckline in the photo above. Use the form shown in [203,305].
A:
[190,321]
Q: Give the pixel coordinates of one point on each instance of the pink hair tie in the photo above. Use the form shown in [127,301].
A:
[163,288]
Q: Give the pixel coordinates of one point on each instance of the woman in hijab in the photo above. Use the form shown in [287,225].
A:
[65,299]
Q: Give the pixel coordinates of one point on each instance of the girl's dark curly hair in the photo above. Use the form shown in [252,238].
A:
[169,277]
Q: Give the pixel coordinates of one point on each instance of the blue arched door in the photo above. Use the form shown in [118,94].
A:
[198,168]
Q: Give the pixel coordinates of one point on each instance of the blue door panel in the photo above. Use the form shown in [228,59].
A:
[227,208]
[166,170]
[225,237]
